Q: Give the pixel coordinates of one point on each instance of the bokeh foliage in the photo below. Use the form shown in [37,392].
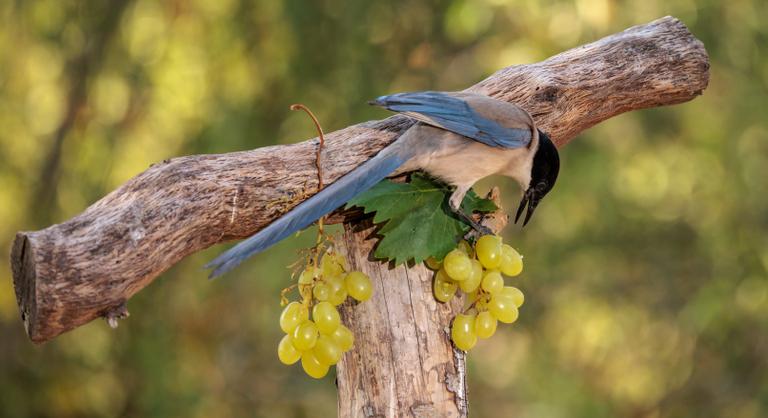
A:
[645,270]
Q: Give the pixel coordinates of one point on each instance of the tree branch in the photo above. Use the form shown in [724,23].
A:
[71,273]
[403,362]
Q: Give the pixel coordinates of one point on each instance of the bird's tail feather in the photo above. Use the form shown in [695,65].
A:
[342,190]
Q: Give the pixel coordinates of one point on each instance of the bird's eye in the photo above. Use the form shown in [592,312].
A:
[541,186]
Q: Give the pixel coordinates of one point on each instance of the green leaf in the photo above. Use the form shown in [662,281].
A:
[418,222]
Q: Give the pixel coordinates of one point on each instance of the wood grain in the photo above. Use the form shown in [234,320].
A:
[89,266]
[403,363]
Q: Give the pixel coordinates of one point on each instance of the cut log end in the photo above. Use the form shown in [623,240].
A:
[24,277]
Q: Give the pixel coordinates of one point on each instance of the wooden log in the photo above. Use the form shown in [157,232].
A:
[403,362]
[89,266]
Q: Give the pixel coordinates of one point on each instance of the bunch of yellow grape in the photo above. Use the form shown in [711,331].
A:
[478,272]
[320,341]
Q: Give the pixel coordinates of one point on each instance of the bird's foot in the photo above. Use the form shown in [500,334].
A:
[481,229]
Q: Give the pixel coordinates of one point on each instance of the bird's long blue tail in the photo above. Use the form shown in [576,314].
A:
[342,190]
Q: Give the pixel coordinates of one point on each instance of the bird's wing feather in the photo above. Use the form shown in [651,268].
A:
[339,192]
[456,115]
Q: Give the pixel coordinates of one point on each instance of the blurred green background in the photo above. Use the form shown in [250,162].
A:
[646,268]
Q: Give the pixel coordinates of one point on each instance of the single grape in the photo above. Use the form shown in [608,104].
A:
[326,317]
[338,291]
[481,299]
[326,350]
[511,261]
[474,279]
[334,281]
[359,286]
[305,336]
[293,314]
[512,292]
[442,288]
[485,324]
[433,263]
[286,352]
[466,248]
[457,265]
[321,291]
[313,366]
[339,259]
[503,308]
[330,266]
[308,275]
[463,332]
[343,338]
[492,282]
[488,248]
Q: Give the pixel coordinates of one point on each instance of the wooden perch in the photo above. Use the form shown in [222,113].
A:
[88,267]
[403,363]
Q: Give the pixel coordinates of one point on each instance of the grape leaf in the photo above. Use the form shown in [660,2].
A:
[418,222]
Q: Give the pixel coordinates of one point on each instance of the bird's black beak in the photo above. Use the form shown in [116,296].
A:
[530,198]
[546,166]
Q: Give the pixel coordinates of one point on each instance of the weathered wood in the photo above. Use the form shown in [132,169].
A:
[399,363]
[403,363]
[71,273]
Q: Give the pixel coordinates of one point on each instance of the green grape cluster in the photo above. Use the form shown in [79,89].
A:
[320,341]
[479,272]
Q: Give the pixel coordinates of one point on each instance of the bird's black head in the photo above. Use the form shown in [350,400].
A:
[546,165]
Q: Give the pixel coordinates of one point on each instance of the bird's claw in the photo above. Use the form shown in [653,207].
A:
[481,229]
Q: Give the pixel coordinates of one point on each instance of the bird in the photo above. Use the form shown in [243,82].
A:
[459,138]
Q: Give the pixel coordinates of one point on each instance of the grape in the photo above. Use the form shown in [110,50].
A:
[308,275]
[503,308]
[334,282]
[485,324]
[463,332]
[326,317]
[343,338]
[330,266]
[492,282]
[321,291]
[293,314]
[305,336]
[326,350]
[512,292]
[359,286]
[338,291]
[511,261]
[473,281]
[488,249]
[313,366]
[482,300]
[466,248]
[339,259]
[433,263]
[286,352]
[457,265]
[442,288]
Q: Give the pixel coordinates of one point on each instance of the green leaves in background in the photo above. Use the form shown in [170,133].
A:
[418,220]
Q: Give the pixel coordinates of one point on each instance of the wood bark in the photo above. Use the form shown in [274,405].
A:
[89,266]
[403,363]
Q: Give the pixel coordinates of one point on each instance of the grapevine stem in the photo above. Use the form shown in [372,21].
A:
[285,291]
[480,295]
[299,106]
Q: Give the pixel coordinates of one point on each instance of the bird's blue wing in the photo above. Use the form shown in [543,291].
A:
[326,200]
[454,114]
